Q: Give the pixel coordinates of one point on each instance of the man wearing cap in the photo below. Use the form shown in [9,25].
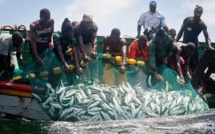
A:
[191,28]
[139,49]
[151,19]
[159,51]
[86,33]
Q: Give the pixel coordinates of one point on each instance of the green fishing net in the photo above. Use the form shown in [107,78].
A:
[102,93]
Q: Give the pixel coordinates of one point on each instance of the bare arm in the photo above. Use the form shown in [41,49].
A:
[123,51]
[178,65]
[81,46]
[187,66]
[138,30]
[207,38]
[79,70]
[181,32]
[20,59]
[33,44]
[166,29]
[94,45]
[61,56]
[51,44]
[94,41]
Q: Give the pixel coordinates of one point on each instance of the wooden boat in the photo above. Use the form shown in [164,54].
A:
[16,100]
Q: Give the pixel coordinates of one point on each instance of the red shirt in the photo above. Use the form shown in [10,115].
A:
[135,52]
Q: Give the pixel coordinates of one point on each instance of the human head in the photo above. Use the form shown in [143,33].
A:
[44,15]
[152,6]
[67,29]
[74,23]
[198,12]
[87,21]
[189,49]
[115,33]
[142,41]
[17,39]
[172,33]
[160,37]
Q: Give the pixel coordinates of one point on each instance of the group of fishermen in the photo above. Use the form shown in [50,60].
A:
[156,46]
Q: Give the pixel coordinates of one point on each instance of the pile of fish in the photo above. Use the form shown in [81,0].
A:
[99,102]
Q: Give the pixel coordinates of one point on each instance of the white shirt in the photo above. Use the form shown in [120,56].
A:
[149,19]
[6,45]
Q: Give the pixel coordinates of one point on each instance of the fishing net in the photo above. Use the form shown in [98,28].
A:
[102,93]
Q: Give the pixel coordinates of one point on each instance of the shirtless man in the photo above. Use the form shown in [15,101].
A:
[116,46]
[180,61]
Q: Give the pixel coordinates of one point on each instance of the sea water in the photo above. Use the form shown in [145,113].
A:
[202,123]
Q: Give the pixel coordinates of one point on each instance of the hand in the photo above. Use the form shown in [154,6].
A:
[8,81]
[189,76]
[67,68]
[122,69]
[51,45]
[157,77]
[39,60]
[165,60]
[94,54]
[86,59]
[79,70]
[181,81]
[211,48]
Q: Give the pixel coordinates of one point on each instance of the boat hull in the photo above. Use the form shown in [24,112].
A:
[16,101]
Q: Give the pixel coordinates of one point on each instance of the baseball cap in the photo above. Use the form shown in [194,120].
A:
[153,3]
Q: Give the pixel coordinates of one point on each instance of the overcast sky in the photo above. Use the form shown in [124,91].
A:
[107,14]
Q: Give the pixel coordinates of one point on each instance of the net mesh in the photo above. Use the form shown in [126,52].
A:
[102,93]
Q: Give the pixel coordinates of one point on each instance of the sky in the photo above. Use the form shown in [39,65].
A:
[107,14]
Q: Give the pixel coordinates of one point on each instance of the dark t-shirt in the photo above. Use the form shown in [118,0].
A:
[192,30]
[85,33]
[65,43]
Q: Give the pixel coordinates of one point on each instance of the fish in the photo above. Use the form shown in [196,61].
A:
[56,105]
[37,97]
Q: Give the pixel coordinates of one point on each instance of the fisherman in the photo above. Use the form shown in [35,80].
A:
[41,34]
[139,49]
[151,19]
[180,61]
[8,45]
[207,60]
[191,28]
[63,43]
[86,32]
[172,33]
[159,51]
[116,46]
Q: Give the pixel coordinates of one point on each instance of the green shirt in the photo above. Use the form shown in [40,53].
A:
[65,43]
[157,53]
